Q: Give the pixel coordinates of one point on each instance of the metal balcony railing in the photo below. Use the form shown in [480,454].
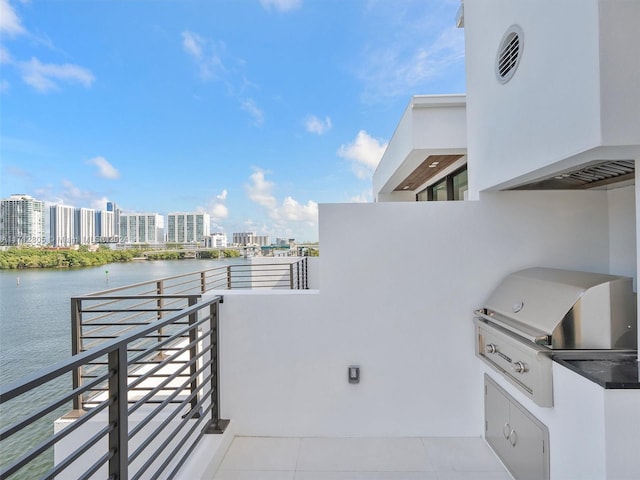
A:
[108,314]
[152,396]
[142,386]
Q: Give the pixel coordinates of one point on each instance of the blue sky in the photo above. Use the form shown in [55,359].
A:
[252,110]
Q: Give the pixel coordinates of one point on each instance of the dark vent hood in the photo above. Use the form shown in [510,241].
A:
[594,175]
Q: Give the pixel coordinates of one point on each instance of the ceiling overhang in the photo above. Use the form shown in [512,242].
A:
[430,168]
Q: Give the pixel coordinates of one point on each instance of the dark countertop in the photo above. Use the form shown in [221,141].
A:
[611,370]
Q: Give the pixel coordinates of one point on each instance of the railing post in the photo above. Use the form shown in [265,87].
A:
[291,276]
[193,352]
[216,424]
[160,313]
[76,347]
[118,415]
[228,277]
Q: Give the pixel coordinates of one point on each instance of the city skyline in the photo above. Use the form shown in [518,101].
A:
[251,111]
[23,222]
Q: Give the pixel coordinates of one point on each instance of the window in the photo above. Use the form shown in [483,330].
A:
[451,187]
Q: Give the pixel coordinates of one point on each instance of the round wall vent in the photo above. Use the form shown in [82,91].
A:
[509,53]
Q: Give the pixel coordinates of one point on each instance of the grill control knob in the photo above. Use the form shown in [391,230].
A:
[491,348]
[519,367]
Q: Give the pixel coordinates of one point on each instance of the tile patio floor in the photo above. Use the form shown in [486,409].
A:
[275,458]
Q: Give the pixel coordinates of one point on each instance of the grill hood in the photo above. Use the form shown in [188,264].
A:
[567,309]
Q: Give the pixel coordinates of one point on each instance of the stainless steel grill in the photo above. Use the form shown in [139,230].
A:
[535,312]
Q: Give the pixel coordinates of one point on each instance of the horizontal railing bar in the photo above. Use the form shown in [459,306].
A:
[137,310]
[99,463]
[154,282]
[133,297]
[14,389]
[171,399]
[151,436]
[77,453]
[181,333]
[114,324]
[184,457]
[40,449]
[12,429]
[172,357]
[164,383]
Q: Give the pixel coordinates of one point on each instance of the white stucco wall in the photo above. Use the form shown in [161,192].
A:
[573,98]
[430,125]
[622,227]
[402,310]
[620,72]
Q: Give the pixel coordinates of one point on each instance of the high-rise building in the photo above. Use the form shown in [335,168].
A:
[250,238]
[105,227]
[22,221]
[62,225]
[141,228]
[113,207]
[187,227]
[85,226]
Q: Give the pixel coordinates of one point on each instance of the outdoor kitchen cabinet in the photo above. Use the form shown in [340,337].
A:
[519,439]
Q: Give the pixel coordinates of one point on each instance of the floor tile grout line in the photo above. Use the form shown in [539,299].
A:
[295,468]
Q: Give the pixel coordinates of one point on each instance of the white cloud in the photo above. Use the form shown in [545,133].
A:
[192,44]
[5,56]
[364,152]
[281,5]
[10,23]
[316,125]
[289,211]
[394,64]
[216,208]
[44,76]
[69,194]
[260,190]
[208,56]
[219,211]
[249,106]
[292,211]
[105,169]
[99,203]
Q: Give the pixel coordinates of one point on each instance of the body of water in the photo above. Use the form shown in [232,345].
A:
[35,326]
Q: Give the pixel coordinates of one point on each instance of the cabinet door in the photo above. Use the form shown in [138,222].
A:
[497,422]
[527,440]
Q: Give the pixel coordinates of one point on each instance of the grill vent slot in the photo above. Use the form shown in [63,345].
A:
[591,176]
[509,54]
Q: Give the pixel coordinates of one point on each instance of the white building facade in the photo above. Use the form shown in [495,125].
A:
[85,226]
[217,240]
[22,221]
[188,227]
[105,227]
[251,238]
[62,228]
[136,228]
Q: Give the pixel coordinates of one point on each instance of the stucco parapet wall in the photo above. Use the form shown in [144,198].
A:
[436,101]
[430,125]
